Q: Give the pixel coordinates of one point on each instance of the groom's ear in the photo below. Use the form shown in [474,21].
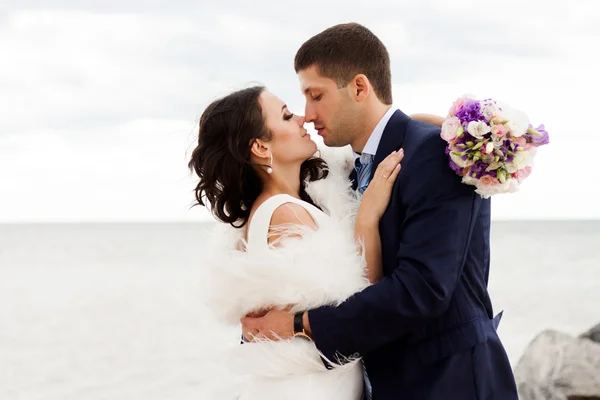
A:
[360,87]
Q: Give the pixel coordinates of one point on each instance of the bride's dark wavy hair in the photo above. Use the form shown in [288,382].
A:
[228,182]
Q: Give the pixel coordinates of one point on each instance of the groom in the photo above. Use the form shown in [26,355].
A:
[426,330]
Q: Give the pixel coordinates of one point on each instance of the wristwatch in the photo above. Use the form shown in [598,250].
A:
[299,330]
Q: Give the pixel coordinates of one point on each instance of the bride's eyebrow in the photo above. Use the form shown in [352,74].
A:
[284,107]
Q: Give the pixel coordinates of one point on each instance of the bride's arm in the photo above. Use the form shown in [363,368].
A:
[367,232]
[430,118]
[374,202]
[286,216]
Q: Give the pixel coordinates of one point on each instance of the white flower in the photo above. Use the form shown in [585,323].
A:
[469,180]
[478,129]
[489,110]
[498,141]
[520,160]
[499,118]
[460,162]
[489,147]
[518,121]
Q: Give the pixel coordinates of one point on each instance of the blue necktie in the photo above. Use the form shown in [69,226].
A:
[363,166]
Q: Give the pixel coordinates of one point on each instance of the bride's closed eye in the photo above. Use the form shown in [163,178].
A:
[288,117]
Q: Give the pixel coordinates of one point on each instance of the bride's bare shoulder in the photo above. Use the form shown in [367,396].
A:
[288,215]
[292,213]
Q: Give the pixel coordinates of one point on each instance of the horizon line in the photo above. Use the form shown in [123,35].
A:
[210,221]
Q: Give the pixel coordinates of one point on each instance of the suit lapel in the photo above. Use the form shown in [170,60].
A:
[392,138]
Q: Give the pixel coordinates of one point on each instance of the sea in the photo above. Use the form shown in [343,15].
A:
[116,311]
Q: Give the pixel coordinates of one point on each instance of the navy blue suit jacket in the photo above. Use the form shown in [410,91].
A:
[426,330]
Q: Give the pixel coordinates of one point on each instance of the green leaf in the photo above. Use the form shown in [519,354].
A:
[478,145]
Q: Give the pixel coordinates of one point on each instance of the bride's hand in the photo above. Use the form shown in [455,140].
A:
[377,196]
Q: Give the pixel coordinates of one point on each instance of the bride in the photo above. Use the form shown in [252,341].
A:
[295,235]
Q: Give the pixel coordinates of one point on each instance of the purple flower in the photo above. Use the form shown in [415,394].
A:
[539,140]
[470,111]
[478,168]
[453,165]
[456,168]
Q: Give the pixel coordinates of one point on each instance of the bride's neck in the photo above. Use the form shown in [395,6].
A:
[283,181]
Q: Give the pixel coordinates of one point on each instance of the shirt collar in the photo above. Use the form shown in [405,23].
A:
[375,137]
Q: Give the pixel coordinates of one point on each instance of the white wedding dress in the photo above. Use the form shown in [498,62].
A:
[318,268]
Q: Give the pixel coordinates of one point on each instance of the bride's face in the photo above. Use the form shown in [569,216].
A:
[290,142]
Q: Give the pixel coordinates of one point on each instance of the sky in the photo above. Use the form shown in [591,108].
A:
[100,100]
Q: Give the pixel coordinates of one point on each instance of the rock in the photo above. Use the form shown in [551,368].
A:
[534,391]
[559,364]
[593,334]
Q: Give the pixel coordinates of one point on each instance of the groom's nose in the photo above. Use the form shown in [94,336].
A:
[309,113]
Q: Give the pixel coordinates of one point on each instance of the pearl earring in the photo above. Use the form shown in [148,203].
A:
[270,169]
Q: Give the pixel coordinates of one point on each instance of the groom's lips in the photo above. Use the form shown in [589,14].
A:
[320,130]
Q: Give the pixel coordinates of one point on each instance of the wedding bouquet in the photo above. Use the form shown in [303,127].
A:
[490,146]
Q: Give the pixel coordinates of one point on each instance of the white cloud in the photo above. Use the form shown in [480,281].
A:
[100,98]
[136,171]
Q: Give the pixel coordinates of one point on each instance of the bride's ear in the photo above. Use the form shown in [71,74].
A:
[259,149]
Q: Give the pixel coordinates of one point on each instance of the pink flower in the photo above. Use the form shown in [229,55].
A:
[459,103]
[498,130]
[487,180]
[521,174]
[457,106]
[450,129]
[520,141]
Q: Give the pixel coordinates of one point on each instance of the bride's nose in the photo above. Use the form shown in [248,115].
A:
[300,120]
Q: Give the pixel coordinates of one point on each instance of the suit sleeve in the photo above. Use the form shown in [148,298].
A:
[440,211]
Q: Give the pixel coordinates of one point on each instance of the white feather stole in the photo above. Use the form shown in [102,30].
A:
[323,267]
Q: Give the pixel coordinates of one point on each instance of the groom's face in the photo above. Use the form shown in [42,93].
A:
[328,107]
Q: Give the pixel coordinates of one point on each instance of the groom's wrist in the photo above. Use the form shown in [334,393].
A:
[306,324]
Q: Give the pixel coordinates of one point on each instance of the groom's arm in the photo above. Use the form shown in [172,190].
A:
[436,231]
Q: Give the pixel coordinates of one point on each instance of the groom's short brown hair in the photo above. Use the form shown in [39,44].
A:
[344,51]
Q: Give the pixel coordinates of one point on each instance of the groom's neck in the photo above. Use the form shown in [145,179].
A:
[368,121]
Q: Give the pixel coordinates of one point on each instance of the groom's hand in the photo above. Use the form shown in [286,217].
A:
[274,325]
